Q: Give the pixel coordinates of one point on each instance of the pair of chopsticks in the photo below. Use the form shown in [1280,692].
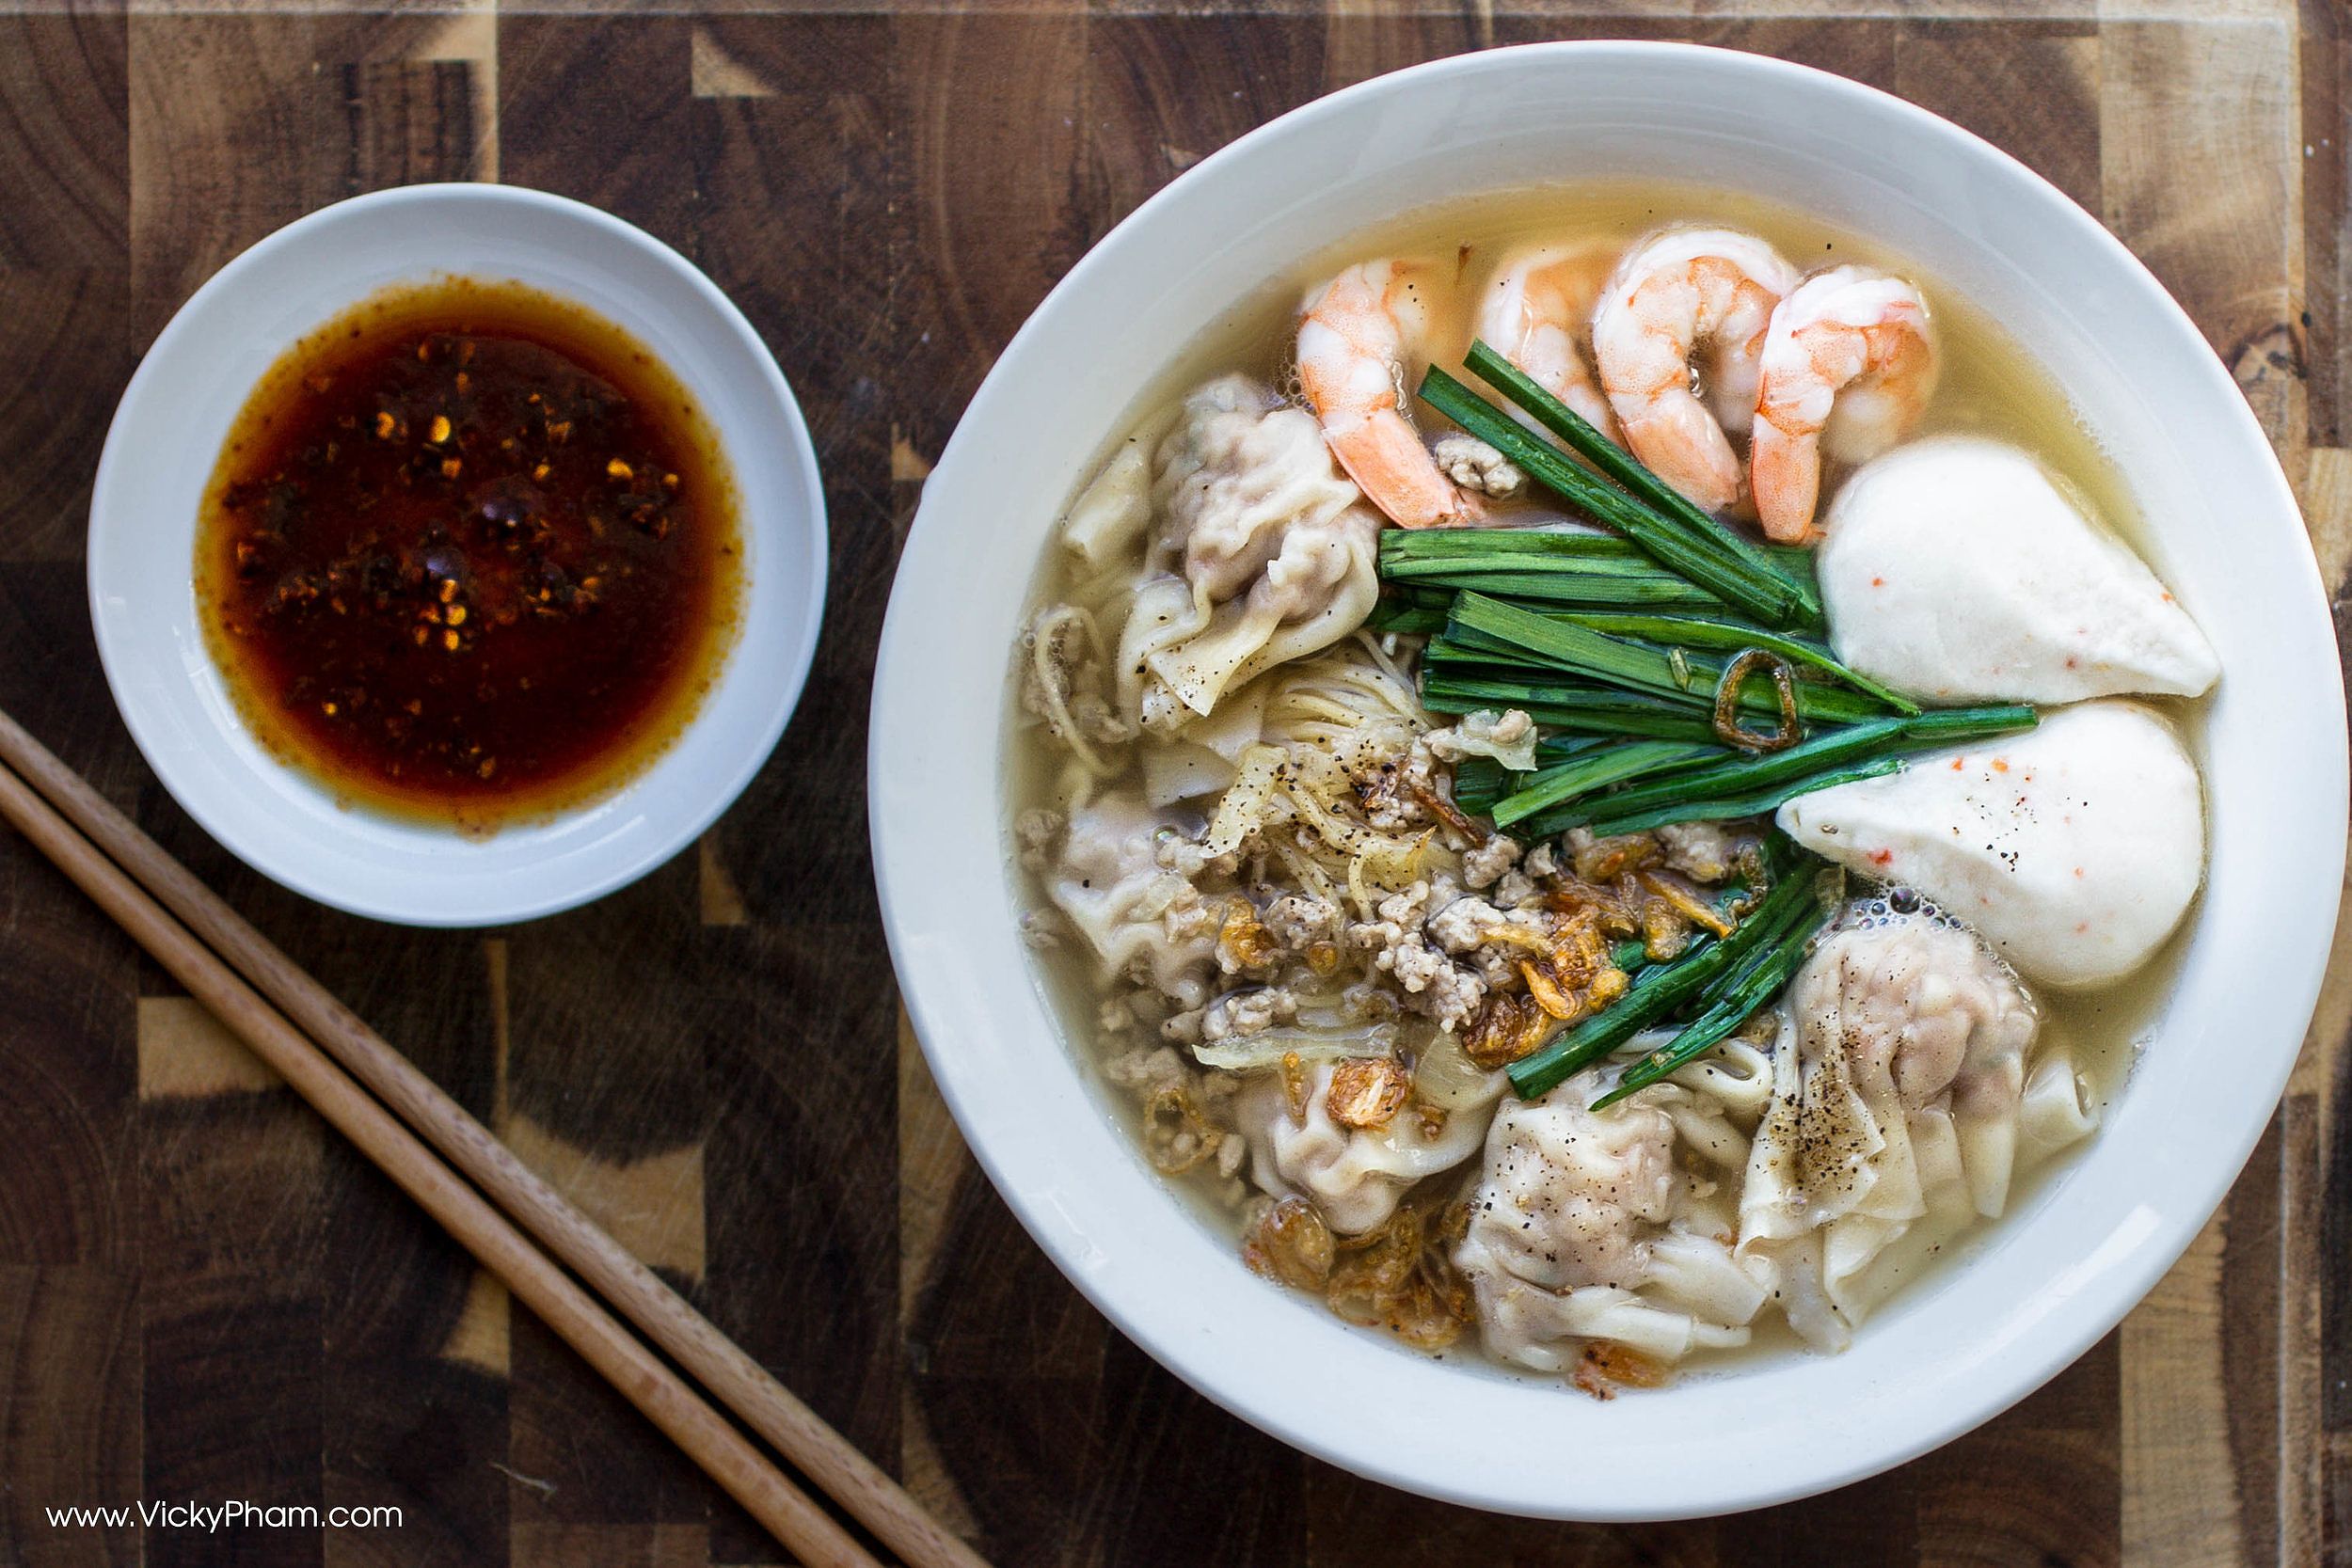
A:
[462,1176]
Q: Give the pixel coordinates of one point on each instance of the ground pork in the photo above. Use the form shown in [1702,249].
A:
[1390,794]
[1433,984]
[1465,924]
[1248,1012]
[1174,852]
[1299,920]
[1507,737]
[1483,866]
[1473,465]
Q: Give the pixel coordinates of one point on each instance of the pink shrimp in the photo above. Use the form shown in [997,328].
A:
[1847,367]
[1535,313]
[1355,334]
[1683,294]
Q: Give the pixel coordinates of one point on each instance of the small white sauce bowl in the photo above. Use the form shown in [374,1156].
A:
[2035,1290]
[166,438]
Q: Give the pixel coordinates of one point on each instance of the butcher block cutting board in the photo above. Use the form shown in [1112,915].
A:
[205,1296]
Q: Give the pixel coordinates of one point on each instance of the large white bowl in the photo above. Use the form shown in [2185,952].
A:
[159,456]
[2051,1278]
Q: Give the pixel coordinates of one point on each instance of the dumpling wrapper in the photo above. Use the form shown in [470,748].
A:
[2075,849]
[1954,569]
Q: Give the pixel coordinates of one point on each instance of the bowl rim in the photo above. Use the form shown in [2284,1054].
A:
[2154,1248]
[491,906]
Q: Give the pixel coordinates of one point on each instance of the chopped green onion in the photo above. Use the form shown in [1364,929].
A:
[1734,775]
[1423,544]
[1951,726]
[1780,920]
[1794,561]
[1559,748]
[1531,578]
[1656,990]
[1744,775]
[1479,782]
[1580,589]
[1405,618]
[1586,570]
[1746,786]
[1412,566]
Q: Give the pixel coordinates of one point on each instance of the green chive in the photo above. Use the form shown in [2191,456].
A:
[1622,467]
[1731,570]
[1756,984]
[1658,990]
[1598,770]
[1617,661]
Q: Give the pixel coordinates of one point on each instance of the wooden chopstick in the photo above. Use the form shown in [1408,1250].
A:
[137,874]
[535,1281]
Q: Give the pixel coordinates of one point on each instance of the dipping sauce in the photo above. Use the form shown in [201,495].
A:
[470,553]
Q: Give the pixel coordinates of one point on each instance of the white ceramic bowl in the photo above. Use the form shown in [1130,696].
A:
[167,434]
[2049,1279]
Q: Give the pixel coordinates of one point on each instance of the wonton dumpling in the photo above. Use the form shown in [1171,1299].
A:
[1136,915]
[1585,1225]
[1270,550]
[2074,848]
[1899,1110]
[1955,570]
[1353,1175]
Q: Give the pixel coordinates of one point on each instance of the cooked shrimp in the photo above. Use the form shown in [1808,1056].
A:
[1354,335]
[1535,312]
[1847,367]
[1676,294]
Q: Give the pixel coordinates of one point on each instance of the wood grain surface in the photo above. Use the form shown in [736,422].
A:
[203,1296]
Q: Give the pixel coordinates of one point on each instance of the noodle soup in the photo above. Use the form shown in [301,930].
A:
[1526,905]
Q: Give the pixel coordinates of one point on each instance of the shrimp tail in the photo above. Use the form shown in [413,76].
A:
[1387,460]
[1785,473]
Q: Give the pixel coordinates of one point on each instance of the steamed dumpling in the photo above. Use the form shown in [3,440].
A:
[1955,570]
[1899,1111]
[1354,1175]
[1137,917]
[2074,848]
[1611,1225]
[1266,553]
